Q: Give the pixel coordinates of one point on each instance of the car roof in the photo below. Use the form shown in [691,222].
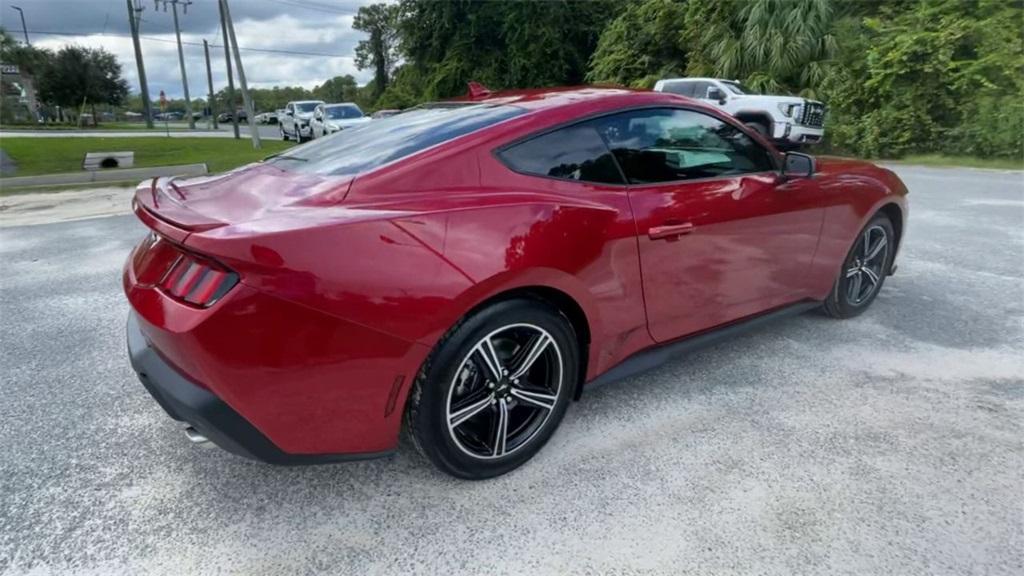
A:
[337,104]
[580,97]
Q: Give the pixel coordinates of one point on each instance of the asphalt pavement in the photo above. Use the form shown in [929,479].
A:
[888,444]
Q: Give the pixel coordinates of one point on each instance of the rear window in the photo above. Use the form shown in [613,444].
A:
[380,141]
[343,112]
[571,153]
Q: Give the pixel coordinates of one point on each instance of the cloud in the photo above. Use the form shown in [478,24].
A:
[302,26]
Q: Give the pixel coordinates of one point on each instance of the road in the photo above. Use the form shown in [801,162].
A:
[888,444]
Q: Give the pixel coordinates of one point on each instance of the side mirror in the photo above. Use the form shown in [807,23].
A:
[797,165]
[716,94]
[289,113]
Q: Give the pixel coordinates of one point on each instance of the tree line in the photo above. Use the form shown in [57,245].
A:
[898,76]
[73,78]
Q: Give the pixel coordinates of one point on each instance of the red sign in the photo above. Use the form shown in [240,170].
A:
[163,101]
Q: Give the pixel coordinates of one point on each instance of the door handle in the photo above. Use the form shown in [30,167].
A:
[670,230]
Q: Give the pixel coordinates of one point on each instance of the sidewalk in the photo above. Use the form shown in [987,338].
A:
[50,207]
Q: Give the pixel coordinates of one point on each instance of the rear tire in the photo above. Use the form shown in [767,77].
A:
[864,270]
[284,135]
[494,389]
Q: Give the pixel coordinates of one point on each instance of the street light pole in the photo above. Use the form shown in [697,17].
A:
[23,27]
[133,22]
[231,82]
[250,112]
[181,62]
[209,80]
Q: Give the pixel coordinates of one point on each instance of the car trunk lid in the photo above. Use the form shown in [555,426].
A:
[245,195]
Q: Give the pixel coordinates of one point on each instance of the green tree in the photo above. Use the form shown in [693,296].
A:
[76,76]
[642,45]
[773,45]
[338,89]
[929,76]
[500,44]
[380,50]
[30,60]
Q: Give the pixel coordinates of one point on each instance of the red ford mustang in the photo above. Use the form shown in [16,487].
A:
[472,268]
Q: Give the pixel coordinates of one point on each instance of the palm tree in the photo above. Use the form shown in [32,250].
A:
[774,45]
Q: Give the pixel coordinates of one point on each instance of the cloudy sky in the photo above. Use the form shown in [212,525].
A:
[314,38]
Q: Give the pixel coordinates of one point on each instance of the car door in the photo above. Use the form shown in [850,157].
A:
[720,236]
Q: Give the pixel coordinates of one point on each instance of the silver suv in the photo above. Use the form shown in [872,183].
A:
[295,123]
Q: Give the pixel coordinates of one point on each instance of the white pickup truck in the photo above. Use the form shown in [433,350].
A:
[787,120]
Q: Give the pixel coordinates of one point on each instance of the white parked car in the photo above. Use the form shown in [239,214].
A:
[784,119]
[296,120]
[331,118]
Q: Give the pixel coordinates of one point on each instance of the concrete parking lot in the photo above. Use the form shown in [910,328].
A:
[888,444]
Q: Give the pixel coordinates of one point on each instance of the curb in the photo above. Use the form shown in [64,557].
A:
[112,175]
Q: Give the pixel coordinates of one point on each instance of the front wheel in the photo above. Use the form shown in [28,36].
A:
[494,389]
[864,270]
[758,127]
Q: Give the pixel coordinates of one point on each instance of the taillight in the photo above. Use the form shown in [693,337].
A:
[197,281]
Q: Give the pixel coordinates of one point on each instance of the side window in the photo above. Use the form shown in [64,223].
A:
[680,88]
[571,153]
[665,145]
[700,89]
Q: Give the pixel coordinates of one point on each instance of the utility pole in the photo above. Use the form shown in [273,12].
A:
[209,81]
[227,57]
[146,104]
[250,113]
[23,27]
[181,55]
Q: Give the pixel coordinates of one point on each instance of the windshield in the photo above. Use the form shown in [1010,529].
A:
[343,112]
[306,106]
[373,144]
[736,87]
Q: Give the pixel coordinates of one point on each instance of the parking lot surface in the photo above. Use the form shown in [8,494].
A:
[888,444]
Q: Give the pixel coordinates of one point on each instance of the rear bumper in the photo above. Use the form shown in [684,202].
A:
[185,401]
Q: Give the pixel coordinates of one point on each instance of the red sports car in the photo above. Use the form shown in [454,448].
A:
[472,268]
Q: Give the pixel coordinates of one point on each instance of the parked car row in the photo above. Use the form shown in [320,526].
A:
[309,119]
[174,116]
[267,118]
[227,116]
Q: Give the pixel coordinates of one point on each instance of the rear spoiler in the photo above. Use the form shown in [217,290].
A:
[161,200]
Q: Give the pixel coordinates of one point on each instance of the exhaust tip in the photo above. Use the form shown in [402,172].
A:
[195,437]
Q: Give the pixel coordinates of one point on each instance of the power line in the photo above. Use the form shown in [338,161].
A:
[169,41]
[309,5]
